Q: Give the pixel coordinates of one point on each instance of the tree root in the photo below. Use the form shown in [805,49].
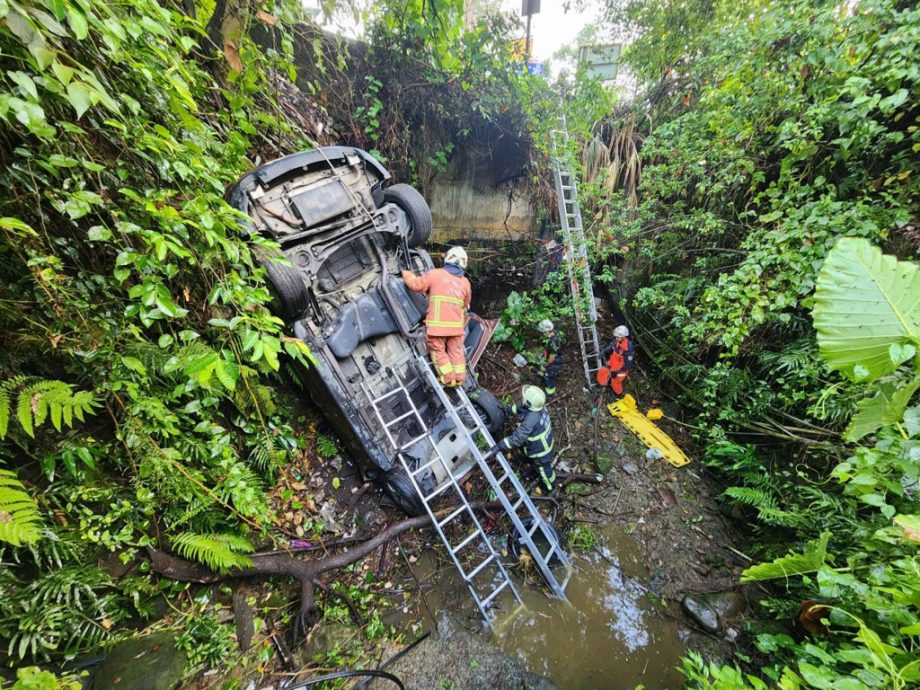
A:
[305,572]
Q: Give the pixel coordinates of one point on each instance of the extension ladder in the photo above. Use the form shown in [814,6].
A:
[487,577]
[576,256]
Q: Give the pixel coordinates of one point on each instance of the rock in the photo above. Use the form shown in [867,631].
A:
[459,660]
[700,612]
[630,468]
[324,639]
[142,663]
[728,605]
[714,611]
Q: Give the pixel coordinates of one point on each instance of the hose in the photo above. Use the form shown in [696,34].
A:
[348,674]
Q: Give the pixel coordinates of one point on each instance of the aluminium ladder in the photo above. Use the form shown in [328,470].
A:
[488,576]
[576,255]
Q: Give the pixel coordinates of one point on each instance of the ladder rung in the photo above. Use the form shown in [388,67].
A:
[424,467]
[459,547]
[401,417]
[452,515]
[391,393]
[478,569]
[412,441]
[488,599]
[437,491]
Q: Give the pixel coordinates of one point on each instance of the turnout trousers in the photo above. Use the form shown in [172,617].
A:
[550,375]
[448,357]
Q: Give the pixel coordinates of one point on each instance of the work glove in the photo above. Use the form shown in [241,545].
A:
[405,274]
[494,449]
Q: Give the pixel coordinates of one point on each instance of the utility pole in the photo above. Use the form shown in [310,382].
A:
[528,9]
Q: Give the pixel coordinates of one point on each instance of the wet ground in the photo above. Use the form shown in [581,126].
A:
[642,539]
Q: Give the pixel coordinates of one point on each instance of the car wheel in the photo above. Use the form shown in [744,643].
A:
[288,288]
[489,408]
[398,485]
[415,206]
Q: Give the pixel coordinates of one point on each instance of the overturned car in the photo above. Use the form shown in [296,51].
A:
[345,235]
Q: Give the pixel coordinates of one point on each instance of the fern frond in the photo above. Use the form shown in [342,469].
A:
[765,504]
[75,586]
[20,521]
[6,388]
[40,398]
[220,552]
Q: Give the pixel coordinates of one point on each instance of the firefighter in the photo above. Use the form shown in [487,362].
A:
[534,435]
[552,356]
[449,292]
[620,360]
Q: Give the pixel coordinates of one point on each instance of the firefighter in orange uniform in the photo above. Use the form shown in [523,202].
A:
[619,356]
[449,293]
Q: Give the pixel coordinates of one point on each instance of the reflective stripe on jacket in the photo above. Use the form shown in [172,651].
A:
[534,435]
[624,359]
[448,299]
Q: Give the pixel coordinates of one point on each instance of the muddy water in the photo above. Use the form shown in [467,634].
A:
[608,637]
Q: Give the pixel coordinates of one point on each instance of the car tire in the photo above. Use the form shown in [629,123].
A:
[397,484]
[489,408]
[287,287]
[416,208]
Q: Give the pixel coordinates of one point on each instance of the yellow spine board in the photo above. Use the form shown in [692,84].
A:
[625,410]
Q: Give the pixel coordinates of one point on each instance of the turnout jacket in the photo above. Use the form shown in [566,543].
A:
[624,351]
[552,347]
[534,435]
[448,299]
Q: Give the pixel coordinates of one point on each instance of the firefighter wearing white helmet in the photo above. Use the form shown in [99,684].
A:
[534,434]
[456,256]
[552,356]
[449,294]
[620,359]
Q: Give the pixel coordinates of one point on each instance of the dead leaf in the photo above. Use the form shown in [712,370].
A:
[267,18]
[811,615]
[667,495]
[232,56]
[187,294]
[55,340]
[298,486]
[106,623]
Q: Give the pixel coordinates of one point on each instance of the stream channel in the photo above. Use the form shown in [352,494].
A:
[609,636]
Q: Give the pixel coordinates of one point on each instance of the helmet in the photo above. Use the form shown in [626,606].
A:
[456,256]
[533,397]
[621,332]
[546,326]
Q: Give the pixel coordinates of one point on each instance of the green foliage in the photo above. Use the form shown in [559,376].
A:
[38,400]
[34,678]
[712,676]
[778,153]
[326,446]
[813,556]
[20,520]
[126,287]
[221,552]
[582,538]
[866,310]
[207,642]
